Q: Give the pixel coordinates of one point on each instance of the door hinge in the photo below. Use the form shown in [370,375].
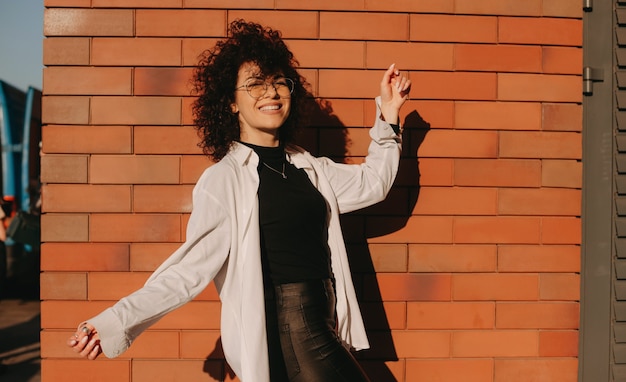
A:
[591,75]
[587,5]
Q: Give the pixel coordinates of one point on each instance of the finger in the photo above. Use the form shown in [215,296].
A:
[79,347]
[94,353]
[388,74]
[88,348]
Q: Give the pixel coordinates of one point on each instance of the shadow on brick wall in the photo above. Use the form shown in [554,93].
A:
[398,206]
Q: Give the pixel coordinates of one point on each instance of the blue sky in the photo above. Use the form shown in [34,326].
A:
[21,42]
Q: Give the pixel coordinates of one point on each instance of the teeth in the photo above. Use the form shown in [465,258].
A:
[270,107]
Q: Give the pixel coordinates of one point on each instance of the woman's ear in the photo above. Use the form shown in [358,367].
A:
[234,108]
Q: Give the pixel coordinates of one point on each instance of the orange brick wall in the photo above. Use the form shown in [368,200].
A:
[468,272]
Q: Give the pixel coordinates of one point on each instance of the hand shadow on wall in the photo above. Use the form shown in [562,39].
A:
[328,136]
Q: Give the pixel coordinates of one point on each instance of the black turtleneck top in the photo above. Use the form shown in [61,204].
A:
[293,217]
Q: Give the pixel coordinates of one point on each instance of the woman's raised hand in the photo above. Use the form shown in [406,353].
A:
[394,91]
[85,342]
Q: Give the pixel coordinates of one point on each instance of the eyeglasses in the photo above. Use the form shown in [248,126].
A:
[257,87]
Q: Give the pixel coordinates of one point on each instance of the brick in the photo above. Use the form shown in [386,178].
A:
[558,343]
[388,257]
[134,228]
[562,60]
[292,24]
[409,287]
[198,343]
[114,370]
[384,315]
[162,81]
[543,201]
[173,23]
[63,286]
[540,31]
[65,110]
[349,83]
[494,343]
[418,229]
[459,144]
[497,172]
[498,115]
[124,169]
[194,47]
[87,81]
[538,315]
[562,117]
[561,230]
[363,26]
[187,112]
[453,28]
[84,257]
[560,8]
[137,3]
[424,6]
[561,173]
[64,168]
[76,139]
[66,51]
[422,344]
[135,111]
[449,370]
[495,286]
[155,344]
[436,171]
[64,227]
[410,56]
[148,256]
[544,145]
[86,198]
[559,287]
[337,54]
[87,22]
[342,113]
[53,344]
[192,166]
[379,371]
[498,7]
[229,4]
[497,230]
[68,314]
[136,51]
[419,116]
[533,258]
[113,286]
[195,315]
[454,201]
[450,315]
[497,58]
[169,370]
[452,258]
[455,85]
[157,198]
[539,87]
[535,370]
[166,140]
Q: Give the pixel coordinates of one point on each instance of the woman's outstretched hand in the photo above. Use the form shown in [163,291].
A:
[394,91]
[85,342]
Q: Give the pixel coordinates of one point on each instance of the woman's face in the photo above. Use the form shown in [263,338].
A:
[262,103]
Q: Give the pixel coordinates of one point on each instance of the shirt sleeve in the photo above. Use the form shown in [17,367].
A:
[177,281]
[359,186]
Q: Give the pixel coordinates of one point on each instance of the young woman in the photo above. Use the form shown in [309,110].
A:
[265,223]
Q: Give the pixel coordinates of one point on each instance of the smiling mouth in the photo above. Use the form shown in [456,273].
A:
[270,107]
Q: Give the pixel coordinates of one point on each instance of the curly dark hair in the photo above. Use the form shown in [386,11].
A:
[215,79]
